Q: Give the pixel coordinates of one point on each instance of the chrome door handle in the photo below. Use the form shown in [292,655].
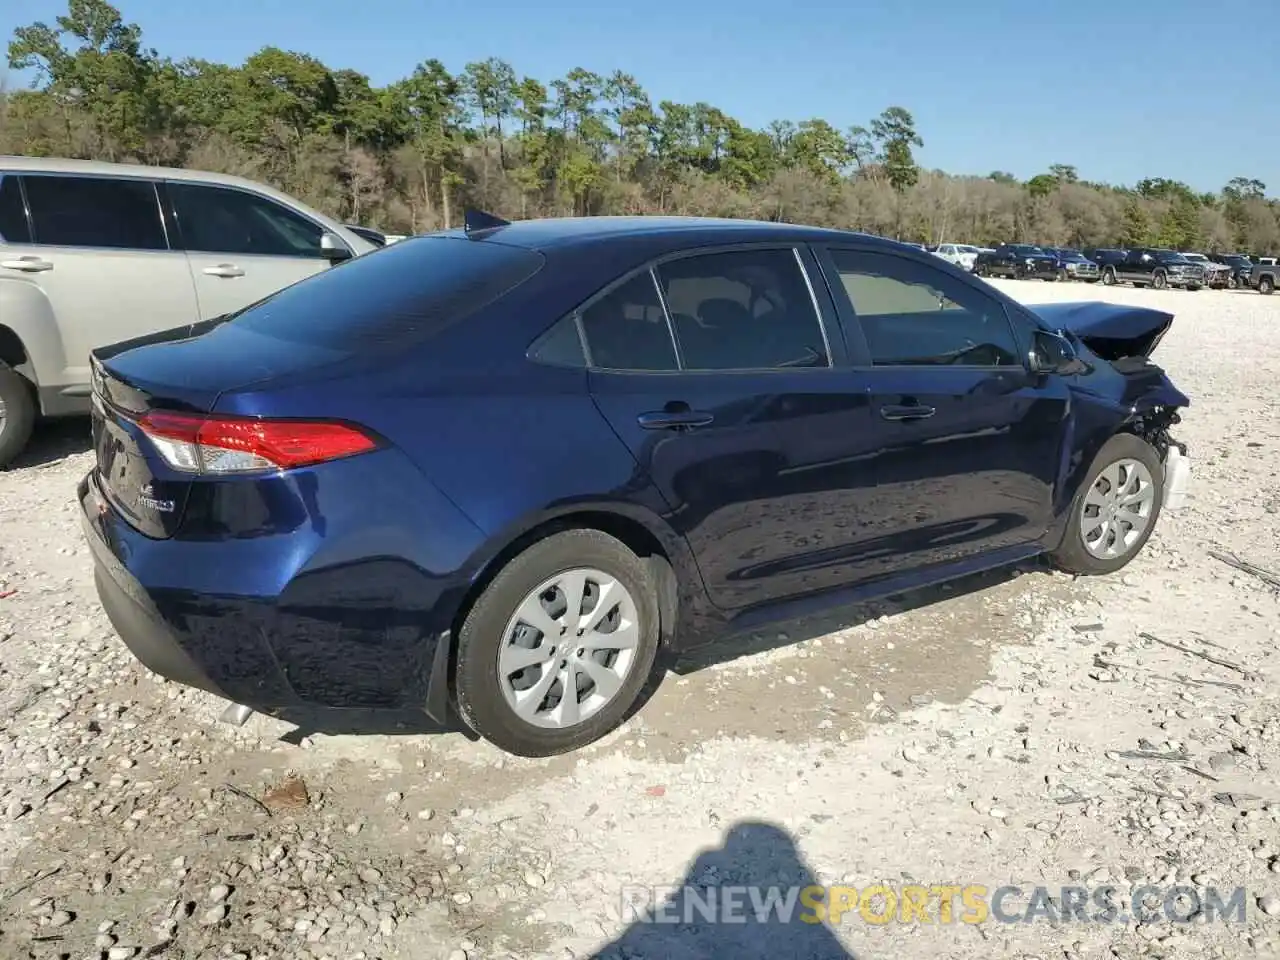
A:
[223,270]
[27,264]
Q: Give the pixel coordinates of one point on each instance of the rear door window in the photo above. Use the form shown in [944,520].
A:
[224,220]
[626,329]
[78,211]
[743,310]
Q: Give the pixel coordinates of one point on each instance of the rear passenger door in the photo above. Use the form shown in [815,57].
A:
[98,250]
[719,371]
[242,246]
[968,442]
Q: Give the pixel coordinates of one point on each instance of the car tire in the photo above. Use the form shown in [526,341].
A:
[1159,280]
[1062,275]
[485,696]
[1109,277]
[1193,287]
[1233,283]
[18,403]
[1266,285]
[1085,556]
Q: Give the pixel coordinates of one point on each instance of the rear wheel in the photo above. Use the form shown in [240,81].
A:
[1062,274]
[1266,285]
[1109,276]
[17,414]
[1115,509]
[557,649]
[1159,280]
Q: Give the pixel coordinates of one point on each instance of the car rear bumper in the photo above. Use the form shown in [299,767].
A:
[318,642]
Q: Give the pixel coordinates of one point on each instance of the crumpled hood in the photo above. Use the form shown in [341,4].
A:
[1111,330]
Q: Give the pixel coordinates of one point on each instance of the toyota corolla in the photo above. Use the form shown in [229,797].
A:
[490,473]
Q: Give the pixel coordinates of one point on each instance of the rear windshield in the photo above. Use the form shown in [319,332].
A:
[399,294]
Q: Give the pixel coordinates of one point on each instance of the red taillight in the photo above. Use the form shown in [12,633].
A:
[194,443]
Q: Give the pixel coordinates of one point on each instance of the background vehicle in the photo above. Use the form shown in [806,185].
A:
[1263,276]
[1021,261]
[1216,275]
[92,253]
[1240,266]
[962,255]
[1105,257]
[1073,265]
[1149,266]
[717,390]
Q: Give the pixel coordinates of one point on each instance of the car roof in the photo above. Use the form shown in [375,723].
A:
[681,231]
[19,164]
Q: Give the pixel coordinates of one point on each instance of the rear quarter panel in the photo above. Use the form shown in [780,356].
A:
[25,310]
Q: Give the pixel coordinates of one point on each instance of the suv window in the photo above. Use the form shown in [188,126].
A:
[745,310]
[13,214]
[224,220]
[94,212]
[914,314]
[627,329]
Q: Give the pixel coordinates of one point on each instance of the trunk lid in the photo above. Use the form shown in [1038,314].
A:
[184,369]
[1113,331]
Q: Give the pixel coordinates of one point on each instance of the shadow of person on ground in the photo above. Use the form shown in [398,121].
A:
[738,901]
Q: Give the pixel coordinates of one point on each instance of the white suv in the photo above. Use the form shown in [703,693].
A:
[961,254]
[95,253]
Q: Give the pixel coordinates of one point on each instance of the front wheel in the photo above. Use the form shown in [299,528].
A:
[557,649]
[1159,281]
[1266,285]
[17,414]
[1109,277]
[1115,509]
[1062,275]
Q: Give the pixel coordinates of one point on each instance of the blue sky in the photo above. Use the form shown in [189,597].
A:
[1122,91]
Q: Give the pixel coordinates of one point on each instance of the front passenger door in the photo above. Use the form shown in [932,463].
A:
[242,246]
[968,440]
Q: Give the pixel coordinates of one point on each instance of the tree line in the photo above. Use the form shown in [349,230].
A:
[408,156]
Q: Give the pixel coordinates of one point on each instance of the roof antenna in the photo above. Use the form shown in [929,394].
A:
[475,222]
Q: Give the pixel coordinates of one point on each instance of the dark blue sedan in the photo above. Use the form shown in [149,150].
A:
[489,473]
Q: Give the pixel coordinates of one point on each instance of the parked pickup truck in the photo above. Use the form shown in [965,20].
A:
[1149,266]
[1262,277]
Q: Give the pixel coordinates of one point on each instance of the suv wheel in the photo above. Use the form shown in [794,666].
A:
[17,414]
[1266,285]
[557,649]
[1109,276]
[1159,280]
[1115,509]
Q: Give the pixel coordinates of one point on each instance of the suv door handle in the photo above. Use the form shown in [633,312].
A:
[27,264]
[899,412]
[674,419]
[223,270]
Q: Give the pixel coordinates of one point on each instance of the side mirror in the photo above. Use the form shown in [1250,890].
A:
[1053,353]
[333,249]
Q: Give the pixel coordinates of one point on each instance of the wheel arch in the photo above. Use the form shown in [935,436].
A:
[679,585]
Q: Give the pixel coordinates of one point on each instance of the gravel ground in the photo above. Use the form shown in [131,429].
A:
[1019,728]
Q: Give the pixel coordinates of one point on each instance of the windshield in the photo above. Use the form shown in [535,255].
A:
[397,294]
[965,248]
[1237,261]
[1025,250]
[1168,256]
[1195,257]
